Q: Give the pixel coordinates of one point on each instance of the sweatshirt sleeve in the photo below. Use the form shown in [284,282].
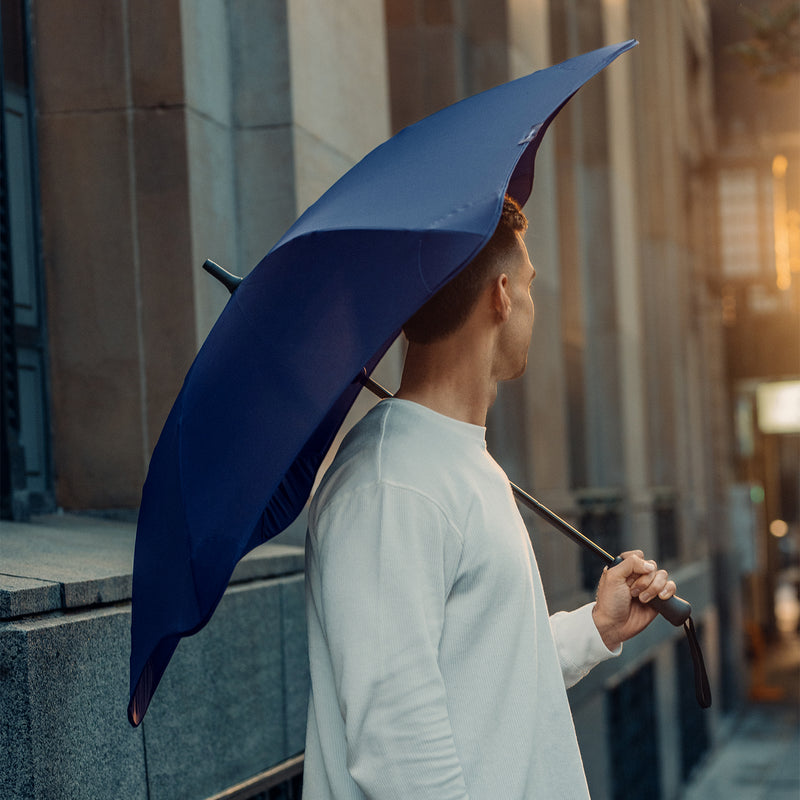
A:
[578,642]
[387,558]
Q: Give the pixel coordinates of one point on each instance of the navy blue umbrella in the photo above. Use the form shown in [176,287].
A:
[272,383]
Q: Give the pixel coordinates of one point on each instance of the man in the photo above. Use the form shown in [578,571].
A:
[435,669]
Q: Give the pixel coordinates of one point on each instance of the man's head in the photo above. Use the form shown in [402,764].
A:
[449,308]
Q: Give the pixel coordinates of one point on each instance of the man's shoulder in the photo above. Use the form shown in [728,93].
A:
[404,448]
[385,448]
[370,450]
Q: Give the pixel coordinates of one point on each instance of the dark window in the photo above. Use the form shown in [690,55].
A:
[601,521]
[26,461]
[666,518]
[634,736]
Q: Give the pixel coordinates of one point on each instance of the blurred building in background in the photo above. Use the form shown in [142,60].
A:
[757,176]
[659,409]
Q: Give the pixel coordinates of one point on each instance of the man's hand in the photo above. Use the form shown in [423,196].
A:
[623,593]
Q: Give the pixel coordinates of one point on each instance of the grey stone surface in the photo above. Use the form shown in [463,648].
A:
[268,205]
[296,676]
[317,166]
[269,561]
[212,212]
[218,716]
[72,561]
[260,62]
[337,54]
[89,561]
[21,596]
[63,728]
[206,58]
[231,704]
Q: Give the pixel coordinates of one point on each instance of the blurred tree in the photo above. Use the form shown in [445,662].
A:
[773,51]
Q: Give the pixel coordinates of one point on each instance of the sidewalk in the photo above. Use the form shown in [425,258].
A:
[759,758]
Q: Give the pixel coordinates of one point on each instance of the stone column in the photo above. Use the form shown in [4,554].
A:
[544,381]
[111,135]
[543,388]
[626,276]
[594,224]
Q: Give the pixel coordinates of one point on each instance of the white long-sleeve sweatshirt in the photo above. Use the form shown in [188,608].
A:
[436,671]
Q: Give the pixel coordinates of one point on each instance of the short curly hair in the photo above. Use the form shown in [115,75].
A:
[449,308]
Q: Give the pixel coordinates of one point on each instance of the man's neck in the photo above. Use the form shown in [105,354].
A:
[451,378]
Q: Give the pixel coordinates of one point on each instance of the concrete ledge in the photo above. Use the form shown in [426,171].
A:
[67,561]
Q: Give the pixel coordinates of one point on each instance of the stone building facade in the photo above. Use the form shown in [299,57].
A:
[156,135]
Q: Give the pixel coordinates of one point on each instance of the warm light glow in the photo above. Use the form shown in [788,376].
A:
[778,405]
[783,266]
[778,528]
[779,165]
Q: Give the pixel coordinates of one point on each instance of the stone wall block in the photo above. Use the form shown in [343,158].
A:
[407,76]
[295,662]
[339,75]
[265,190]
[400,13]
[79,55]
[260,62]
[438,12]
[166,265]
[16,758]
[63,709]
[156,51]
[205,36]
[486,22]
[212,205]
[88,254]
[20,596]
[488,66]
[444,81]
[317,166]
[217,717]
[68,566]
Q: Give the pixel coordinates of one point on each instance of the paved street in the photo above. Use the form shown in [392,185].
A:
[759,758]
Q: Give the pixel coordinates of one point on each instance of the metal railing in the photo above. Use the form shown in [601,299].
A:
[284,781]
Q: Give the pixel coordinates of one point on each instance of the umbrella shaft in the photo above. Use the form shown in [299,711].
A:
[557,522]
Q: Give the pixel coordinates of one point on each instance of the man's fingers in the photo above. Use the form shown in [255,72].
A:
[648,586]
[634,563]
[632,553]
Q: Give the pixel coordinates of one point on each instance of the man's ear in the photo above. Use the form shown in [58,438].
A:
[501,299]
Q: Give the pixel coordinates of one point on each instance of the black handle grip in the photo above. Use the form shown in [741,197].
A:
[675,610]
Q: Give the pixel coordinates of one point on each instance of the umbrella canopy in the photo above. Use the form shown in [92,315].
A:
[271,385]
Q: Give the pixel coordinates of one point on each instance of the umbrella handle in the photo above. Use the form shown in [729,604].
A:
[675,610]
[227,279]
